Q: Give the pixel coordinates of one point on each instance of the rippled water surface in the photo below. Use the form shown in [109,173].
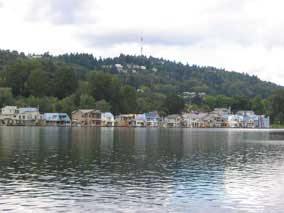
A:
[141,170]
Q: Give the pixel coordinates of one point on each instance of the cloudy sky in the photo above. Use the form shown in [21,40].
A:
[241,35]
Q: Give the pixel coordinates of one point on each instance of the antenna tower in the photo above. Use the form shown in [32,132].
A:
[142,43]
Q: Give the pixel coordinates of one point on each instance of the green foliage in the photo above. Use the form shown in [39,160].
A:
[87,102]
[104,86]
[69,82]
[45,104]
[128,99]
[35,84]
[16,76]
[276,109]
[103,106]
[148,102]
[6,97]
[241,103]
[65,81]
[66,105]
[174,104]
[258,105]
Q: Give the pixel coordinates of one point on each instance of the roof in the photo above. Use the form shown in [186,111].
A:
[56,117]
[174,116]
[140,117]
[195,115]
[152,115]
[245,112]
[85,111]
[28,109]
[107,114]
[9,107]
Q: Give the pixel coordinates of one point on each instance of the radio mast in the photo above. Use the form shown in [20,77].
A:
[141,43]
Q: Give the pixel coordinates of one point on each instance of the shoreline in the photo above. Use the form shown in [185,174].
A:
[123,127]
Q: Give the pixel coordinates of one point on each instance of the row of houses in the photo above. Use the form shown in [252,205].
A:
[14,116]
[219,118]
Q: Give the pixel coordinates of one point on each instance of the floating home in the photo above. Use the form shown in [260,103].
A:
[13,116]
[87,118]
[56,119]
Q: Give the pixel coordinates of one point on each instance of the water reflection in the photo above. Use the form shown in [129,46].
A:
[121,169]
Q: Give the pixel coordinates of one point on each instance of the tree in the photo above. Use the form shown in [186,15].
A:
[257,105]
[16,76]
[66,105]
[128,99]
[210,101]
[87,102]
[38,83]
[101,85]
[65,81]
[276,110]
[174,104]
[106,87]
[241,103]
[103,106]
[6,97]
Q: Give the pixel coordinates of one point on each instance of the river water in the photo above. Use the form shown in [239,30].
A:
[141,170]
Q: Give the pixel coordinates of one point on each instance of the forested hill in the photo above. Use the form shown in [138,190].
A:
[166,76]
[125,84]
[158,75]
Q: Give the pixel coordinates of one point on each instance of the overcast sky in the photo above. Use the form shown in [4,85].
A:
[241,35]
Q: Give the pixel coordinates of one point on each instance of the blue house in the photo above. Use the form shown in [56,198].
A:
[152,119]
[56,119]
[139,120]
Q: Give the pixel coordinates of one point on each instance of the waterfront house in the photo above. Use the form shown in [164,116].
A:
[214,120]
[248,119]
[124,120]
[193,120]
[8,115]
[263,121]
[172,121]
[29,116]
[107,119]
[139,121]
[56,119]
[234,121]
[152,119]
[13,116]
[87,117]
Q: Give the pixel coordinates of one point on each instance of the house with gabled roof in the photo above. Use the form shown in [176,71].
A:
[152,119]
[87,117]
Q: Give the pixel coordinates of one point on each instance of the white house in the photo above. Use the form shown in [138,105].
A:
[11,115]
[139,121]
[107,119]
[172,121]
[194,120]
[29,116]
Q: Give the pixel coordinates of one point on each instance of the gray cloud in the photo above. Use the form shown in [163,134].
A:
[58,11]
[226,21]
[213,35]
[151,38]
[1,4]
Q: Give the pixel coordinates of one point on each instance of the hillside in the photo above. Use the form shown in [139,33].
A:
[170,77]
[125,84]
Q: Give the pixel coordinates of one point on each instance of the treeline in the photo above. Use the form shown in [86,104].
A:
[165,76]
[69,82]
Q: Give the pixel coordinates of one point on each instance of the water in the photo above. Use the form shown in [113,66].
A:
[141,170]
